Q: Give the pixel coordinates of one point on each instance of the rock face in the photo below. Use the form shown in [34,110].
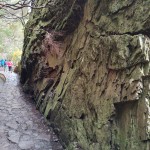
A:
[88,65]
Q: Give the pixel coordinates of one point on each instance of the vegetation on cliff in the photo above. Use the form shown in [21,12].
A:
[87,65]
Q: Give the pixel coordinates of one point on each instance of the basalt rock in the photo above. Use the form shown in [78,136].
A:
[88,63]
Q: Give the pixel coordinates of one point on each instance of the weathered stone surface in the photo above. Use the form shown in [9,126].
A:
[26,142]
[14,136]
[91,78]
[21,125]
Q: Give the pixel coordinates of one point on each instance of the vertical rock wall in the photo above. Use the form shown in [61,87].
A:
[87,63]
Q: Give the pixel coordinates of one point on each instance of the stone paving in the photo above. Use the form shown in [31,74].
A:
[22,127]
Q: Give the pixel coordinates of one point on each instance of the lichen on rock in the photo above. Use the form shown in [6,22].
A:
[88,63]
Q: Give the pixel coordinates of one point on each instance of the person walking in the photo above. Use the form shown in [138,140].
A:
[10,64]
[5,65]
[2,63]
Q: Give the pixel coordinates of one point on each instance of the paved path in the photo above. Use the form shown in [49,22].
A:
[22,127]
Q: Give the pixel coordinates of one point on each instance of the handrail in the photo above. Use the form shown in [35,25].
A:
[2,76]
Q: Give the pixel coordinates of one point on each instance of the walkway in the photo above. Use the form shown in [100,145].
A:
[22,127]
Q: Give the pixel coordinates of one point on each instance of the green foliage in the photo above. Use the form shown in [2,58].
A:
[11,39]
[11,30]
[15,56]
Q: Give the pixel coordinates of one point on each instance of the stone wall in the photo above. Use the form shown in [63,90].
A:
[87,63]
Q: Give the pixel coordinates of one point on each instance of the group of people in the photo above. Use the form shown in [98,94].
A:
[7,65]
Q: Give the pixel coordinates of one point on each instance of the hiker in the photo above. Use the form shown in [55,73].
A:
[10,64]
[2,63]
[5,65]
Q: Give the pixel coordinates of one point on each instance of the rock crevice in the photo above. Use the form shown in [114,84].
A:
[88,66]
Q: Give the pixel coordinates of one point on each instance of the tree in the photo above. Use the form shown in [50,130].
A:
[15,56]
[15,10]
[11,31]
[10,8]
[11,13]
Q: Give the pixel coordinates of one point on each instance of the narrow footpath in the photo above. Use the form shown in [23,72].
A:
[22,127]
